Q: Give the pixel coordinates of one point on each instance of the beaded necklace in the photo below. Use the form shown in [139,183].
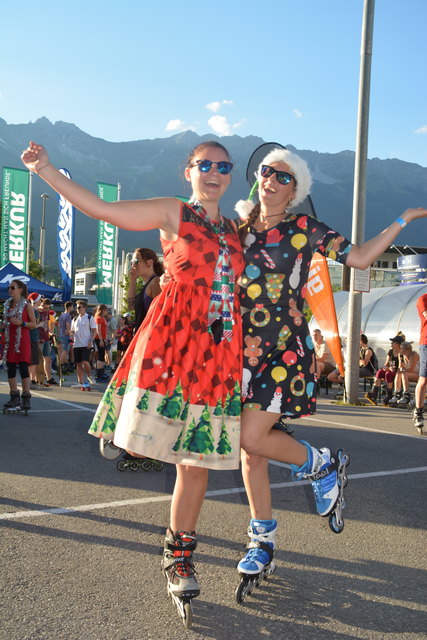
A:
[9,313]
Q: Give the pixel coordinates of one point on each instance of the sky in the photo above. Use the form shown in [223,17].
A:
[286,71]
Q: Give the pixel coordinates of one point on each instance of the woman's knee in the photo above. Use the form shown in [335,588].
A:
[249,441]
[252,461]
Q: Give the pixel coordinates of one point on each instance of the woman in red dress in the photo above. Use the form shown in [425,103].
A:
[18,320]
[176,395]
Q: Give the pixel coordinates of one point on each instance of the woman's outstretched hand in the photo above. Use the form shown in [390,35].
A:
[35,157]
[414,214]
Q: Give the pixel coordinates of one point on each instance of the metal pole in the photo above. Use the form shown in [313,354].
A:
[359,201]
[44,197]
[30,195]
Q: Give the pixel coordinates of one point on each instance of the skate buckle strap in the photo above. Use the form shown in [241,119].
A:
[325,472]
[257,544]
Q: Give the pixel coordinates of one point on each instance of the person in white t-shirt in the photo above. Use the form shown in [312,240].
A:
[83,330]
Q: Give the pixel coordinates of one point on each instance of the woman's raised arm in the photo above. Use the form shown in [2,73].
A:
[134,215]
[362,257]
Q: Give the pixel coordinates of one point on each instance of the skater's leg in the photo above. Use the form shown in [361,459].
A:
[420,392]
[257,484]
[188,495]
[258,437]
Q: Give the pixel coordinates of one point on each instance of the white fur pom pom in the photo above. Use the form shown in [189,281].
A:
[244,208]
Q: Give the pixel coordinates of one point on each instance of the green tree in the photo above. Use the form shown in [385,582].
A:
[224,444]
[122,389]
[233,402]
[106,406]
[177,444]
[201,440]
[143,403]
[171,405]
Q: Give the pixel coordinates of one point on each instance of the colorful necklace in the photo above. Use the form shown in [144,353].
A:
[221,306]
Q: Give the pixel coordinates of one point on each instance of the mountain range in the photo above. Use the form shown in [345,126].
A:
[150,168]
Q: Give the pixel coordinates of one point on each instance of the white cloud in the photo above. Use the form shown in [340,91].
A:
[214,106]
[220,125]
[297,113]
[239,124]
[173,125]
[422,129]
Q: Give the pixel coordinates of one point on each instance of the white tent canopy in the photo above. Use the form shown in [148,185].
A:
[385,311]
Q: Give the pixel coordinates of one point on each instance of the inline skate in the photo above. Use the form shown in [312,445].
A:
[25,402]
[14,404]
[258,562]
[134,464]
[395,400]
[419,419]
[327,472]
[178,568]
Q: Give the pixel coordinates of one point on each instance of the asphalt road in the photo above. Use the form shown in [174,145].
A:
[80,541]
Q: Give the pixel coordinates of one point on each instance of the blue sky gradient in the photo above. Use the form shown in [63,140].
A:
[286,71]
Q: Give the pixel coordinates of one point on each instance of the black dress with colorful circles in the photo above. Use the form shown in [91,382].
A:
[279,366]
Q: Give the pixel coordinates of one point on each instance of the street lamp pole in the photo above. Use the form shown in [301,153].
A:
[44,197]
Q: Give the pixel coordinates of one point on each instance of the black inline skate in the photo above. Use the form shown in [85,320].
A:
[178,568]
[134,464]
[419,419]
[14,404]
[258,562]
[25,402]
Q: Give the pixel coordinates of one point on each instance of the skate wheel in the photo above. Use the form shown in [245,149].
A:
[335,525]
[187,614]
[121,465]
[158,465]
[146,465]
[134,466]
[242,591]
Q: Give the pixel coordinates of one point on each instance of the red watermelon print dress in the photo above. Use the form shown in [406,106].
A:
[176,395]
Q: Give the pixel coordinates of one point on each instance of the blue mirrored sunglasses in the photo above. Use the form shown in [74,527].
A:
[205,166]
[283,177]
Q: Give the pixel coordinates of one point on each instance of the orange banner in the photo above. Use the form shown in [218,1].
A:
[319,297]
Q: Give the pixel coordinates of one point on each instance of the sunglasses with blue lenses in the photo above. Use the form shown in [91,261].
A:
[205,166]
[283,177]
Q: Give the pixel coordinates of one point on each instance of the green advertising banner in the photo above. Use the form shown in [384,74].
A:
[14,220]
[107,240]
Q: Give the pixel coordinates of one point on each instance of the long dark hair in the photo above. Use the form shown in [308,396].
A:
[149,254]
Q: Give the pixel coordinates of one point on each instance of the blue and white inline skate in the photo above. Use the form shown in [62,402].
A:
[327,472]
[258,562]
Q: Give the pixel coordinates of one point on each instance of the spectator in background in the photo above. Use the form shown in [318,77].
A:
[44,339]
[324,361]
[64,331]
[408,371]
[387,372]
[35,299]
[111,336]
[83,330]
[18,320]
[146,265]
[420,389]
[368,364]
[124,335]
[100,338]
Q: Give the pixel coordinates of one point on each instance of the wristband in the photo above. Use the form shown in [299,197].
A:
[24,324]
[401,221]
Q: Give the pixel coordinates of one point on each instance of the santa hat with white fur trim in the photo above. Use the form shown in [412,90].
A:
[300,170]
